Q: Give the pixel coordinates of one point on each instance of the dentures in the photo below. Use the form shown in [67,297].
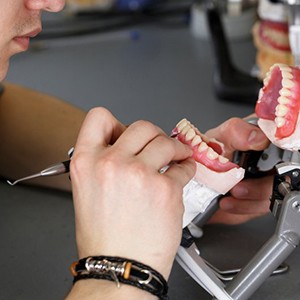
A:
[278,105]
[206,151]
[213,169]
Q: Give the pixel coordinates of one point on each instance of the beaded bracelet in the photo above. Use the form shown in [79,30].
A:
[121,270]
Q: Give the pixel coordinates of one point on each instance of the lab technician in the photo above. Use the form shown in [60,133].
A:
[115,180]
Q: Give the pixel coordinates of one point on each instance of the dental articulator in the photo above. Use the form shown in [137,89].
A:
[203,193]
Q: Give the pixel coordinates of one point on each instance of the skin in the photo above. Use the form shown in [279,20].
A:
[245,201]
[19,18]
[120,173]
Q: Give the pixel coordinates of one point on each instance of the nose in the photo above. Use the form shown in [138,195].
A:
[48,5]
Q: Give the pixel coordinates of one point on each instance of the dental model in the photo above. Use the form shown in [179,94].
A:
[271,36]
[215,174]
[278,106]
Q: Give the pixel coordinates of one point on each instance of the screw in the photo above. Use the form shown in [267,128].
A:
[296,205]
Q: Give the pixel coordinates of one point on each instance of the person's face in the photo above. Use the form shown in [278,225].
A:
[20,20]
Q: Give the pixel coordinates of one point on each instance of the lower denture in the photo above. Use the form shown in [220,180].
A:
[210,147]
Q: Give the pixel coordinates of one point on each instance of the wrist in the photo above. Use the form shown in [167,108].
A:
[162,264]
[121,271]
[102,289]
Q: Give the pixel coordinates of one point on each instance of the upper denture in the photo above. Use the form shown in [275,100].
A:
[279,99]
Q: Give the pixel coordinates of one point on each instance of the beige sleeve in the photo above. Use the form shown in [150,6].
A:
[36,130]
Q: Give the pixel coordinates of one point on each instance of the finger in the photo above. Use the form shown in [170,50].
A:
[244,207]
[182,172]
[162,150]
[224,217]
[248,188]
[137,136]
[237,134]
[100,128]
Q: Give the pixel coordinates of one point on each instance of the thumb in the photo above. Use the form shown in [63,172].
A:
[237,134]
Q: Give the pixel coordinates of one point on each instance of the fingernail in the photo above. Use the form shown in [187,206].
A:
[256,137]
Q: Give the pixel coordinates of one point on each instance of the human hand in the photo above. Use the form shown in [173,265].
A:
[249,198]
[123,205]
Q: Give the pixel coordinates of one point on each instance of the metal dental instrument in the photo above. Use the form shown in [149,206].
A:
[56,169]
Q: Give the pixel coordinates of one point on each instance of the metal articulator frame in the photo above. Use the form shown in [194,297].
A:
[191,261]
[272,254]
[285,204]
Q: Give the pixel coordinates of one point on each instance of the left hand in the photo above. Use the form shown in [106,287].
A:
[249,198]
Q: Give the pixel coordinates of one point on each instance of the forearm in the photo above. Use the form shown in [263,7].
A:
[36,130]
[103,289]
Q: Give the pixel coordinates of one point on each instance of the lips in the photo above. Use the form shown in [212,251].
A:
[33,33]
[24,39]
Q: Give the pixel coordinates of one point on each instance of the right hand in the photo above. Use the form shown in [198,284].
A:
[123,205]
[250,197]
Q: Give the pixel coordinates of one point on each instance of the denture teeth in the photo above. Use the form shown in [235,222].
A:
[181,124]
[287,83]
[196,141]
[281,110]
[190,134]
[283,100]
[211,154]
[286,74]
[185,129]
[260,94]
[285,92]
[279,65]
[223,159]
[267,79]
[202,147]
[279,121]
[285,68]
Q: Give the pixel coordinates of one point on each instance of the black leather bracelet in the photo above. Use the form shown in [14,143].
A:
[121,270]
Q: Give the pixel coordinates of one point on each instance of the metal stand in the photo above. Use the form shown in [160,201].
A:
[285,205]
[230,83]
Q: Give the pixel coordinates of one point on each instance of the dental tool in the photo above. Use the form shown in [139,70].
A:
[53,170]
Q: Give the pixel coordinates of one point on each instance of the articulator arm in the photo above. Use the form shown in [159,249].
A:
[285,206]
